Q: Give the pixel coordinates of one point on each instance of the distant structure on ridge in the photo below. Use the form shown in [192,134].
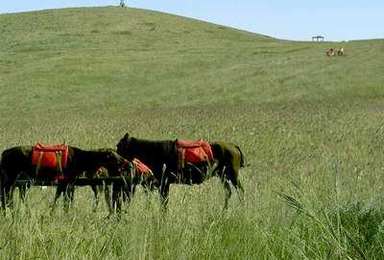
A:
[318,38]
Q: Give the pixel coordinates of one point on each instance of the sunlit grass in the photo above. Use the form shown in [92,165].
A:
[310,127]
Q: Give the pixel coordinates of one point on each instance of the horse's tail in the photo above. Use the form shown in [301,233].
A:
[242,158]
[1,174]
[2,198]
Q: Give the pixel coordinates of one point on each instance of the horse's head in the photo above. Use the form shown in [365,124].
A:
[123,146]
[113,162]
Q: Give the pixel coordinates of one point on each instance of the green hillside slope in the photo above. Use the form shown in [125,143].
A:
[111,56]
[96,60]
[308,124]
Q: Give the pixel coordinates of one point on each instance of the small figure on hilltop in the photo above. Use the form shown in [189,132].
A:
[333,52]
[122,3]
[330,52]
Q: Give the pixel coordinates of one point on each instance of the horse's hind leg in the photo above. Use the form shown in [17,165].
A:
[68,196]
[60,189]
[240,190]
[228,192]
[57,195]
[23,191]
[233,176]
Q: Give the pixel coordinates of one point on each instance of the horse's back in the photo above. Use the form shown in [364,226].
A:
[163,146]
[154,151]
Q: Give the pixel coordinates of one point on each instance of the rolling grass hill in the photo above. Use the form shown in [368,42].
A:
[311,127]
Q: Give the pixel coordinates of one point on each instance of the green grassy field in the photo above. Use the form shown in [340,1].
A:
[311,128]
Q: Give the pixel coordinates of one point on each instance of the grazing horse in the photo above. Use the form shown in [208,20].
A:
[68,191]
[139,174]
[163,157]
[136,173]
[17,161]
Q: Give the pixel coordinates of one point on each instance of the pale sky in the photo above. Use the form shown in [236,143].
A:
[285,19]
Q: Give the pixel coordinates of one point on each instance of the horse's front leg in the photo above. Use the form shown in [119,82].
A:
[164,195]
[108,200]
[7,187]
[3,194]
[3,200]
[128,192]
[9,198]
[95,189]
[22,191]
[116,198]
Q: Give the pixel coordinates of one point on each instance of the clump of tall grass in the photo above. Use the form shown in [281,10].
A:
[341,229]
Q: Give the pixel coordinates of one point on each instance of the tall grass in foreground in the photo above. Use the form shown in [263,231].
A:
[291,224]
[343,230]
[312,191]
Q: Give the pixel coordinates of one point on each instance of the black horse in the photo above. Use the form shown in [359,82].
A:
[68,190]
[25,183]
[134,174]
[163,158]
[17,161]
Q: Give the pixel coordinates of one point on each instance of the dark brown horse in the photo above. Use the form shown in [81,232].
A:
[25,183]
[17,161]
[68,190]
[163,158]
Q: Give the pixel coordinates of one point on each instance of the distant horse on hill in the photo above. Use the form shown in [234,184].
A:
[330,52]
[175,161]
[333,52]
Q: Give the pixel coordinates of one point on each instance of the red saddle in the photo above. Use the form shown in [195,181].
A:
[50,156]
[193,151]
[141,168]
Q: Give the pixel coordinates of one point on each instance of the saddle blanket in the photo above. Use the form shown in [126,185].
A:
[50,156]
[141,168]
[193,152]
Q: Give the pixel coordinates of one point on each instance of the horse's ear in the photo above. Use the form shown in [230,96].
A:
[126,136]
